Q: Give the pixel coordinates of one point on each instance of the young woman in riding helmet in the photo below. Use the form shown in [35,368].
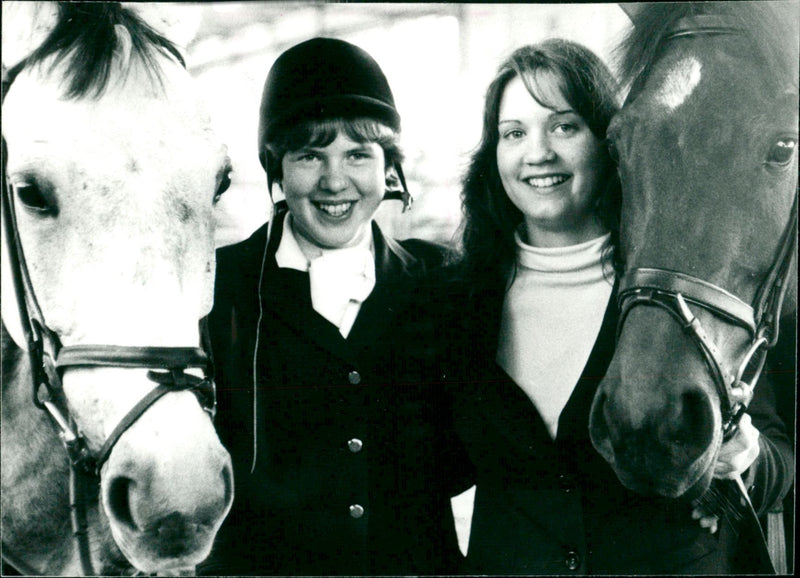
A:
[329,373]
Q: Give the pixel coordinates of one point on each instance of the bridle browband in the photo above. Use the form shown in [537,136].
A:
[49,359]
[674,292]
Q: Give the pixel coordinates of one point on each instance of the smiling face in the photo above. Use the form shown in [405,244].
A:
[550,163]
[334,191]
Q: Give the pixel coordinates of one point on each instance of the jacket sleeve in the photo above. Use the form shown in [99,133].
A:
[441,302]
[771,476]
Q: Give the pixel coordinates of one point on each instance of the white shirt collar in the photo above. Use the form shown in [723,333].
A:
[290,256]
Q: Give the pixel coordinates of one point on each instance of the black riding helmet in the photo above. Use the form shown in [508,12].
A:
[324,78]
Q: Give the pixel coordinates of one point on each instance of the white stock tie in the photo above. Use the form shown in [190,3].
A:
[340,281]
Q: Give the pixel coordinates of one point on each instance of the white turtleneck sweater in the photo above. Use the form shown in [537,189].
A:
[551,318]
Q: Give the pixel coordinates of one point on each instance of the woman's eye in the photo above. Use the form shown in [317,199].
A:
[513,134]
[565,128]
[782,152]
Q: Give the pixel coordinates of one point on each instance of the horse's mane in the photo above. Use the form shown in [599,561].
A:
[768,25]
[85,37]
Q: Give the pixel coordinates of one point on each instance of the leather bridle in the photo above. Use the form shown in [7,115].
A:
[49,359]
[675,292]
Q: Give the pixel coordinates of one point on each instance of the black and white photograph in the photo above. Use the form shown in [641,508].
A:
[345,288]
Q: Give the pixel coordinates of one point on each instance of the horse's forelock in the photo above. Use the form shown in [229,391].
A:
[768,25]
[85,38]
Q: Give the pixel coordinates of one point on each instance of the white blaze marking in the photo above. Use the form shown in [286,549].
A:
[680,83]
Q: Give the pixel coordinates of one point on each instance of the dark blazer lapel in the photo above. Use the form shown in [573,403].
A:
[392,294]
[286,295]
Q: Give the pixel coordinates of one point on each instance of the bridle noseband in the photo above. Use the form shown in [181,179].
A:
[49,359]
[674,292]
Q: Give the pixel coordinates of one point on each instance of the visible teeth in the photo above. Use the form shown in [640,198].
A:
[334,209]
[542,182]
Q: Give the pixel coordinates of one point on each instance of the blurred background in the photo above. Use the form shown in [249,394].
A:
[439,59]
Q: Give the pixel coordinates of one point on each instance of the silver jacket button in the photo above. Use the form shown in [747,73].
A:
[573,560]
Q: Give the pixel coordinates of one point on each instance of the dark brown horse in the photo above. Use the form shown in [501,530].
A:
[707,154]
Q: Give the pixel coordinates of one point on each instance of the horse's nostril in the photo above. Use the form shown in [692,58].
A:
[688,428]
[697,412]
[227,480]
[119,506]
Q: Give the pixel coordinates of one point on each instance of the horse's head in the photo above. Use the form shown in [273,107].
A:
[706,144]
[113,170]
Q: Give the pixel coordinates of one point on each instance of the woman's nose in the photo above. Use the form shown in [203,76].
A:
[538,150]
[333,178]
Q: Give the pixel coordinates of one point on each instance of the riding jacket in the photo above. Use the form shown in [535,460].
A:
[554,506]
[341,452]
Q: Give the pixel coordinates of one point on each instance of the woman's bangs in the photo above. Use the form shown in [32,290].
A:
[318,133]
[548,88]
[321,133]
[366,130]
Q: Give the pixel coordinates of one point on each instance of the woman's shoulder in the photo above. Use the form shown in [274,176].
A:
[433,255]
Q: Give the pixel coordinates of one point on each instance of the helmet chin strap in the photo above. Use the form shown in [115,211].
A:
[401,194]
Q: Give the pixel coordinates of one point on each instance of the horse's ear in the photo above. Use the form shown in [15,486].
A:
[122,51]
[632,9]
[178,23]
[25,27]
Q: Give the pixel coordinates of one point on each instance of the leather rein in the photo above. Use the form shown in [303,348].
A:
[675,292]
[49,359]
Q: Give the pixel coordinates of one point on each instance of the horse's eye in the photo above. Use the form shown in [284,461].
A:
[32,197]
[782,152]
[224,185]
